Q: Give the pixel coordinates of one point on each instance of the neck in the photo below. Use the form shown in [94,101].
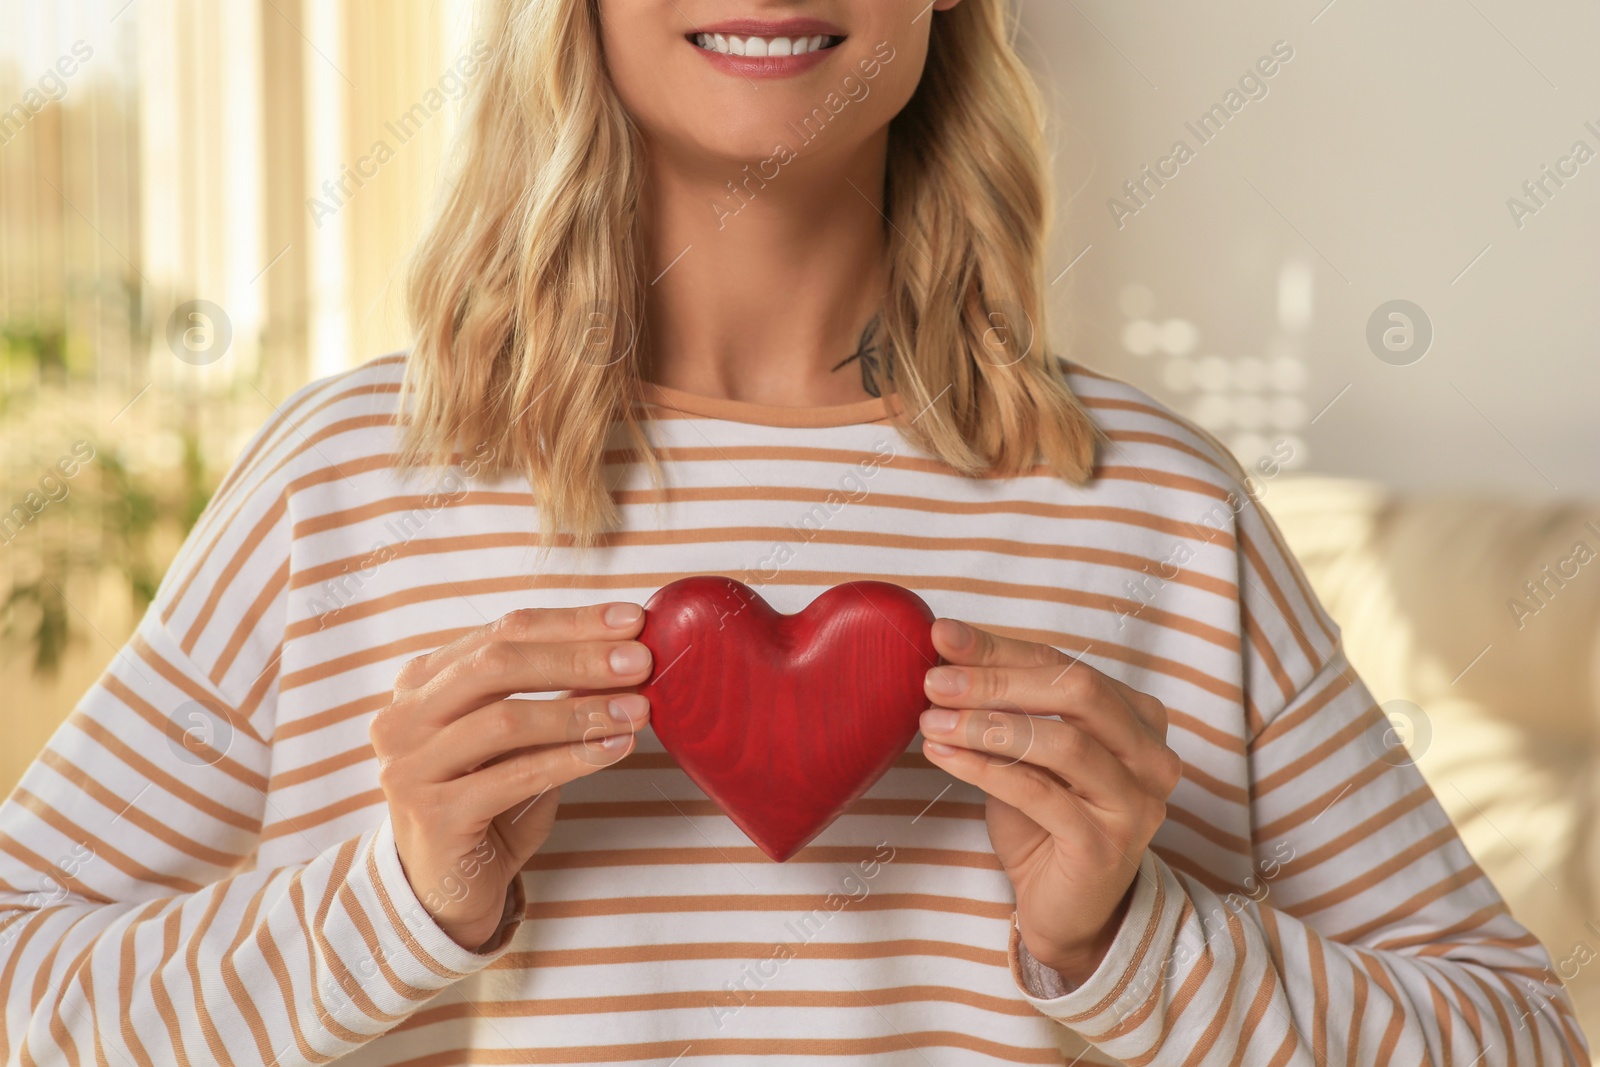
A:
[763,292]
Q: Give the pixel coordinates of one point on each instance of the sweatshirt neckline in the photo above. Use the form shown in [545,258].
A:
[859,412]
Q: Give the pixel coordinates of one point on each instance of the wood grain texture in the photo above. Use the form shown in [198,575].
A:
[784,720]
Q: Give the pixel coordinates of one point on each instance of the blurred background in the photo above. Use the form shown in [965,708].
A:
[1356,238]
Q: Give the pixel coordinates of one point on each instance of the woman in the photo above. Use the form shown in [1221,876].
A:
[743,288]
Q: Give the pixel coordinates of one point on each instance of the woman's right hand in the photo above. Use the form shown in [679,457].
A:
[473,778]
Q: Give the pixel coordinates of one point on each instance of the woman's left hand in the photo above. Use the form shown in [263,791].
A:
[1073,801]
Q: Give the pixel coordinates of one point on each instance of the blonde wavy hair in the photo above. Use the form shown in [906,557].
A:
[524,291]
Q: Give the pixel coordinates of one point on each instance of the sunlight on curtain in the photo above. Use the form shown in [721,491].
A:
[203,205]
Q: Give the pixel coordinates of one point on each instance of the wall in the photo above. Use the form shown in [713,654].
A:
[1376,166]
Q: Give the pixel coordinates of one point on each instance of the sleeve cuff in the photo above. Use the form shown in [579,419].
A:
[435,958]
[1087,1006]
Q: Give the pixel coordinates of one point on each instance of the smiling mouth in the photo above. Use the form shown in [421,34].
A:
[735,45]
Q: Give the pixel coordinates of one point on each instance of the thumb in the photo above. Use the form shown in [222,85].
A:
[525,827]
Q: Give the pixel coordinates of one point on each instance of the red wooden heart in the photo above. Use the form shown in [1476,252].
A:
[784,720]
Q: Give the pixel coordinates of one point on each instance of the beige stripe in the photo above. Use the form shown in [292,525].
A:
[609,955]
[1184,817]
[310,724]
[1288,721]
[263,683]
[1180,998]
[668,905]
[375,949]
[127,981]
[158,986]
[1468,924]
[269,950]
[1136,964]
[218,584]
[451,590]
[1006,547]
[1100,513]
[1262,645]
[327,813]
[219,509]
[1356,884]
[665,1051]
[1222,1016]
[224,580]
[1280,827]
[156,828]
[399,925]
[1231,792]
[243,999]
[195,799]
[164,724]
[208,1029]
[1259,1005]
[1296,771]
[664,809]
[1318,964]
[47,870]
[190,687]
[1067,642]
[1360,834]
[1495,998]
[249,621]
[101,848]
[283,426]
[1413,904]
[1264,573]
[316,928]
[713,856]
[706,999]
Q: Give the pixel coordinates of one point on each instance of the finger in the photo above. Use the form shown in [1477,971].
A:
[498,669]
[966,644]
[527,775]
[506,725]
[1085,698]
[1032,790]
[612,621]
[1061,748]
[963,644]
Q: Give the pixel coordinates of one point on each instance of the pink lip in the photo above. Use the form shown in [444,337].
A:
[769,28]
[766,66]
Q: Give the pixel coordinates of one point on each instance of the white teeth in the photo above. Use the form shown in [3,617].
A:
[728,44]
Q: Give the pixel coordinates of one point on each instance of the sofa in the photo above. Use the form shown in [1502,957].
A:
[1475,621]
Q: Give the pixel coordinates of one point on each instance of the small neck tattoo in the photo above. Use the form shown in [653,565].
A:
[876,370]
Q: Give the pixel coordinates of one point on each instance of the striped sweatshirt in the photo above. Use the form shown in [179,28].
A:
[199,868]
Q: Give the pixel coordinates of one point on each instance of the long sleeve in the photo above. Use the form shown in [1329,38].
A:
[1365,933]
[134,927]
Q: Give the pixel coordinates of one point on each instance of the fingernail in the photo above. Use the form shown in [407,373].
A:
[619,615]
[627,707]
[937,749]
[616,742]
[957,633]
[947,681]
[939,720]
[630,658]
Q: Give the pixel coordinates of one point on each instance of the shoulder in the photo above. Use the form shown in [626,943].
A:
[348,402]
[1157,450]
[1179,477]
[321,427]
[328,432]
